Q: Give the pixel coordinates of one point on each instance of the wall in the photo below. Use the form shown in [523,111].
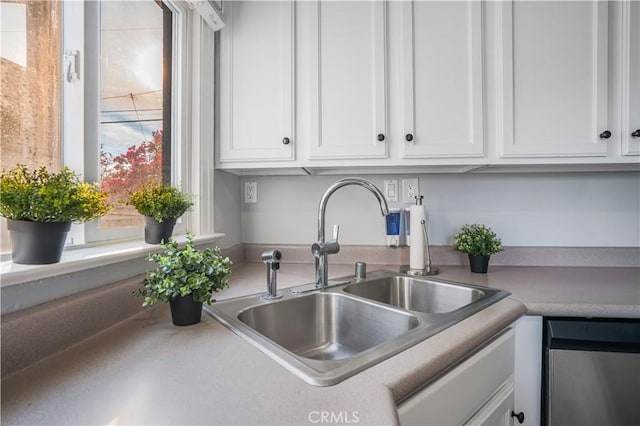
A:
[32,334]
[226,212]
[551,209]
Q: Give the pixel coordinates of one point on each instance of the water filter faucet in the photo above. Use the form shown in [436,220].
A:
[322,249]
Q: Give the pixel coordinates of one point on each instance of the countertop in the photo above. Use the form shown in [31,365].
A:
[144,370]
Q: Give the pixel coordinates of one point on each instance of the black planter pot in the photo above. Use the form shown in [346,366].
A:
[37,243]
[185,310]
[479,264]
[156,232]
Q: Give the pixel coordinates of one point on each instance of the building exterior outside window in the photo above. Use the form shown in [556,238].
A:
[30,87]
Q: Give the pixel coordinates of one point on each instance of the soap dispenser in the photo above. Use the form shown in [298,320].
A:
[395,228]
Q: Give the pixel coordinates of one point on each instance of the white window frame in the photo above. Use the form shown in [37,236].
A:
[81,123]
[193,122]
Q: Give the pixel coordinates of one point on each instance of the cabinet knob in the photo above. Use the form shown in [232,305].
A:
[519,416]
[605,135]
[285,141]
[380,137]
[408,137]
[636,134]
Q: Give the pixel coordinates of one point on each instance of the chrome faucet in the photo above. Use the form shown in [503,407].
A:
[321,250]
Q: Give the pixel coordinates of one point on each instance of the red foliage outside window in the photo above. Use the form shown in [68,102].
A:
[125,173]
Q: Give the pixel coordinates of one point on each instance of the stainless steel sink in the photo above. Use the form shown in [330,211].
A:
[415,294]
[327,326]
[326,336]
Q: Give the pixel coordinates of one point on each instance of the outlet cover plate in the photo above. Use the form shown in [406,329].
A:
[251,192]
[410,188]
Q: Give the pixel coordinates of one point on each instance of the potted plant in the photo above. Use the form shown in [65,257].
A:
[479,242]
[161,205]
[40,205]
[185,277]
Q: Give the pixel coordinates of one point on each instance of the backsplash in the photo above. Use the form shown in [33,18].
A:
[445,255]
[525,210]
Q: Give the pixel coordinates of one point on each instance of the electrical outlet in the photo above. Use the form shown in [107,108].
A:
[391,190]
[251,192]
[410,188]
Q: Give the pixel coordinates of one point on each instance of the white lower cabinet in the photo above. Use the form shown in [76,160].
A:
[499,382]
[478,391]
[528,368]
[499,409]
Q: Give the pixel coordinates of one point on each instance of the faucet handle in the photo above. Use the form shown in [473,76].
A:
[330,247]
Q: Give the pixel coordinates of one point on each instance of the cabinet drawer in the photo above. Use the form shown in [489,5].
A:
[455,397]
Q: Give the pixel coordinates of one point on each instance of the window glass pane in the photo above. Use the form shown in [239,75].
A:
[30,87]
[131,102]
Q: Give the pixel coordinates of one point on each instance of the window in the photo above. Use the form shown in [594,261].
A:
[135,70]
[96,86]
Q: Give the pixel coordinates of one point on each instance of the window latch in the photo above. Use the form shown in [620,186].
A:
[71,65]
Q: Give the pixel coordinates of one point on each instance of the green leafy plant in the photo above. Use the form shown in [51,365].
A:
[184,271]
[477,240]
[43,196]
[160,201]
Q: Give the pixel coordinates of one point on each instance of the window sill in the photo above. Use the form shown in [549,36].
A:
[79,270]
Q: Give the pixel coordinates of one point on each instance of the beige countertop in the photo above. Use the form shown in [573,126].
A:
[146,371]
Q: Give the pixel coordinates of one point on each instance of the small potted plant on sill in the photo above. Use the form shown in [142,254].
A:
[161,205]
[40,206]
[479,242]
[185,277]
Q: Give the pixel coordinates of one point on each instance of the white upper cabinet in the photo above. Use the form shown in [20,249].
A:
[345,59]
[442,79]
[630,78]
[257,82]
[553,78]
[398,86]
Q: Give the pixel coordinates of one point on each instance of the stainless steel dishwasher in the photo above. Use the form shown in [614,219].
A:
[591,372]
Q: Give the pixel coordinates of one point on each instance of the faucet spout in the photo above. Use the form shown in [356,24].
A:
[321,255]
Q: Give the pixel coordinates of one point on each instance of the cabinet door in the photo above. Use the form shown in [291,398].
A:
[458,395]
[553,78]
[346,66]
[528,368]
[631,78]
[496,412]
[442,94]
[257,84]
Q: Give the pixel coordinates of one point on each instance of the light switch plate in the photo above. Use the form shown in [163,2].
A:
[391,190]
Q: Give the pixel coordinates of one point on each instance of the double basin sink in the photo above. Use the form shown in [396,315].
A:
[326,336]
